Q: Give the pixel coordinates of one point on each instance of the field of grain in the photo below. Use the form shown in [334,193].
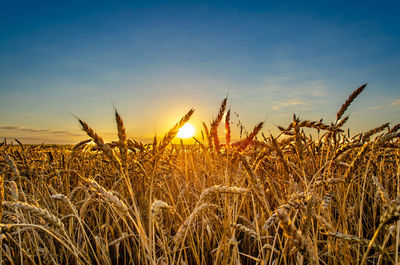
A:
[311,195]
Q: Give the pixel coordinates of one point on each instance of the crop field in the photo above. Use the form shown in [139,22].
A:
[313,194]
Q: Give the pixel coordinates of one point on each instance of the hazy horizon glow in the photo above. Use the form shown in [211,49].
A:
[154,61]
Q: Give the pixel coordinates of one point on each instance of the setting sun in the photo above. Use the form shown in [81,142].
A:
[186,131]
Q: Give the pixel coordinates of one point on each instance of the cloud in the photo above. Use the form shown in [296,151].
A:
[293,85]
[395,103]
[317,88]
[33,130]
[39,140]
[288,103]
[377,107]
[9,127]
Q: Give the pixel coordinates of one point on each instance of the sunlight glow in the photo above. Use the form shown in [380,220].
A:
[186,131]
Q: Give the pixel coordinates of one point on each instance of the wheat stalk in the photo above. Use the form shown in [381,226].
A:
[122,142]
[43,213]
[182,231]
[1,194]
[296,237]
[174,131]
[215,123]
[243,144]
[349,100]
[228,128]
[368,134]
[100,144]
[107,195]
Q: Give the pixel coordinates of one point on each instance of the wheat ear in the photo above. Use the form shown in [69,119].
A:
[174,130]
[100,144]
[215,123]
[228,128]
[122,143]
[392,214]
[349,100]
[46,215]
[297,238]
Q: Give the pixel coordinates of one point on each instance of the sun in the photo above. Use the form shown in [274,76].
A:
[186,131]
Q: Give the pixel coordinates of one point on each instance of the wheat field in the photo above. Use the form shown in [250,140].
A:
[314,194]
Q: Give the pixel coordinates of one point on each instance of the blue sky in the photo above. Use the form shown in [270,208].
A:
[156,60]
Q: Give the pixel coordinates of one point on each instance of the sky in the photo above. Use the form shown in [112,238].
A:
[154,60]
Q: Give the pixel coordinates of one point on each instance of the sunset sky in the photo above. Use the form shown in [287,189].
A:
[156,60]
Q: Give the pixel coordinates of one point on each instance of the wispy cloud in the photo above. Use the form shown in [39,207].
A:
[9,128]
[377,107]
[288,103]
[396,102]
[286,84]
[317,88]
[38,140]
[34,130]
